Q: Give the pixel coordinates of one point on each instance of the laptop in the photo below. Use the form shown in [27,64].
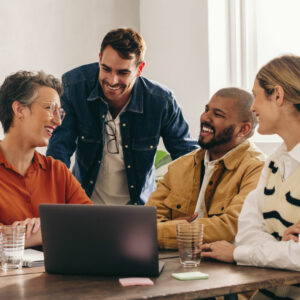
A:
[99,240]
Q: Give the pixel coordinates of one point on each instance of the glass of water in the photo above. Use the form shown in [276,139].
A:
[12,239]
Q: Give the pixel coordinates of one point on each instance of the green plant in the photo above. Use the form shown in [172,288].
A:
[162,158]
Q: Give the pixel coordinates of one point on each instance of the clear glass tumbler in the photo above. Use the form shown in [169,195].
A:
[12,250]
[189,240]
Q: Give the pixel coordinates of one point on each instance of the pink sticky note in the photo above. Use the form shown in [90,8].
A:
[135,281]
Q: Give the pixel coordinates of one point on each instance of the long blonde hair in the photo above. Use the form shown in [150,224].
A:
[283,71]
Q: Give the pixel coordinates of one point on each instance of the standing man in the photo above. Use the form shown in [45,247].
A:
[114,120]
[209,185]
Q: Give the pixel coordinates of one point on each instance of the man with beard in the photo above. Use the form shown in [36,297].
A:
[209,185]
[114,120]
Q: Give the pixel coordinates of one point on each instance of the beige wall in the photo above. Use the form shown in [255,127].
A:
[176,33]
[57,35]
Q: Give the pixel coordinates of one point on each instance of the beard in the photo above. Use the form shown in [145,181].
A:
[113,96]
[223,137]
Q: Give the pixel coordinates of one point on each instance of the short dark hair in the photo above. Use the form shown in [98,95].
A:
[127,42]
[21,86]
[244,101]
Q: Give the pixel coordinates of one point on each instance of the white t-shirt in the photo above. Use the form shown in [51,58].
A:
[111,187]
[209,169]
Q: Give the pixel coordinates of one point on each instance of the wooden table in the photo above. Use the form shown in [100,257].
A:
[224,279]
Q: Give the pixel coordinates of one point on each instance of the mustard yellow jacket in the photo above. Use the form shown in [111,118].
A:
[177,193]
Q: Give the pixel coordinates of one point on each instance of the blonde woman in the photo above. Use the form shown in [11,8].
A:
[269,223]
[29,112]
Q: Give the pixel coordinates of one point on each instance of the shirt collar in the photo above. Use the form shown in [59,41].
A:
[231,159]
[37,160]
[3,160]
[294,153]
[208,162]
[137,97]
[96,93]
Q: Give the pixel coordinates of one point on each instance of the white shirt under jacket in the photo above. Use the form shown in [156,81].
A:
[254,244]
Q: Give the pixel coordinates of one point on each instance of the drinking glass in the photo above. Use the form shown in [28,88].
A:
[189,240]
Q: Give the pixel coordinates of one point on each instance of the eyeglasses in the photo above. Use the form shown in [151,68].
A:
[53,109]
[112,142]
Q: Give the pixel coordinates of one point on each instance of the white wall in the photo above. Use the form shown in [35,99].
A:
[188,40]
[176,33]
[57,35]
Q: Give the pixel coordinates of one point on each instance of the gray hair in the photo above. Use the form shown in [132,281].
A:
[22,87]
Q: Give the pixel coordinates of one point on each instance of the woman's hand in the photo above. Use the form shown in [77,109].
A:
[32,226]
[220,250]
[291,233]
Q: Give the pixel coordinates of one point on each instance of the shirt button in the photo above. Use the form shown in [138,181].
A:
[210,183]
[151,147]
[126,146]
[99,162]
[129,166]
[124,124]
[82,137]
[178,206]
[103,116]
[132,186]
[91,182]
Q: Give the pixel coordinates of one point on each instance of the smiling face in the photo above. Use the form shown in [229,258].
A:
[220,126]
[39,121]
[265,109]
[117,76]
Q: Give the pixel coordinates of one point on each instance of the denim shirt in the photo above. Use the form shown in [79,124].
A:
[151,113]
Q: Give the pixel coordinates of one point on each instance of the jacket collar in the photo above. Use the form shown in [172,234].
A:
[96,93]
[231,159]
[137,96]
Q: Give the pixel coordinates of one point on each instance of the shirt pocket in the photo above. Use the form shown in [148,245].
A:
[89,144]
[217,209]
[88,134]
[177,204]
[143,153]
[145,144]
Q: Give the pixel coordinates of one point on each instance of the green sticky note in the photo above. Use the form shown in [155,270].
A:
[190,275]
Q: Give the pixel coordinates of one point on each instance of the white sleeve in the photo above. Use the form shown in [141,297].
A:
[255,246]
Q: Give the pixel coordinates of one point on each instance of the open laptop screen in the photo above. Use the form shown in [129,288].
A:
[96,239]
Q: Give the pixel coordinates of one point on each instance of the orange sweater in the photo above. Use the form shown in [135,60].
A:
[46,181]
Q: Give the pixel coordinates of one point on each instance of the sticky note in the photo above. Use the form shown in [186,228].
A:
[135,281]
[190,275]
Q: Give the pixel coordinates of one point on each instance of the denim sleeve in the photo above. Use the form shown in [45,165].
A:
[175,131]
[63,141]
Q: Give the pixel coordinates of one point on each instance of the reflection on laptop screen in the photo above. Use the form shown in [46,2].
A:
[96,239]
